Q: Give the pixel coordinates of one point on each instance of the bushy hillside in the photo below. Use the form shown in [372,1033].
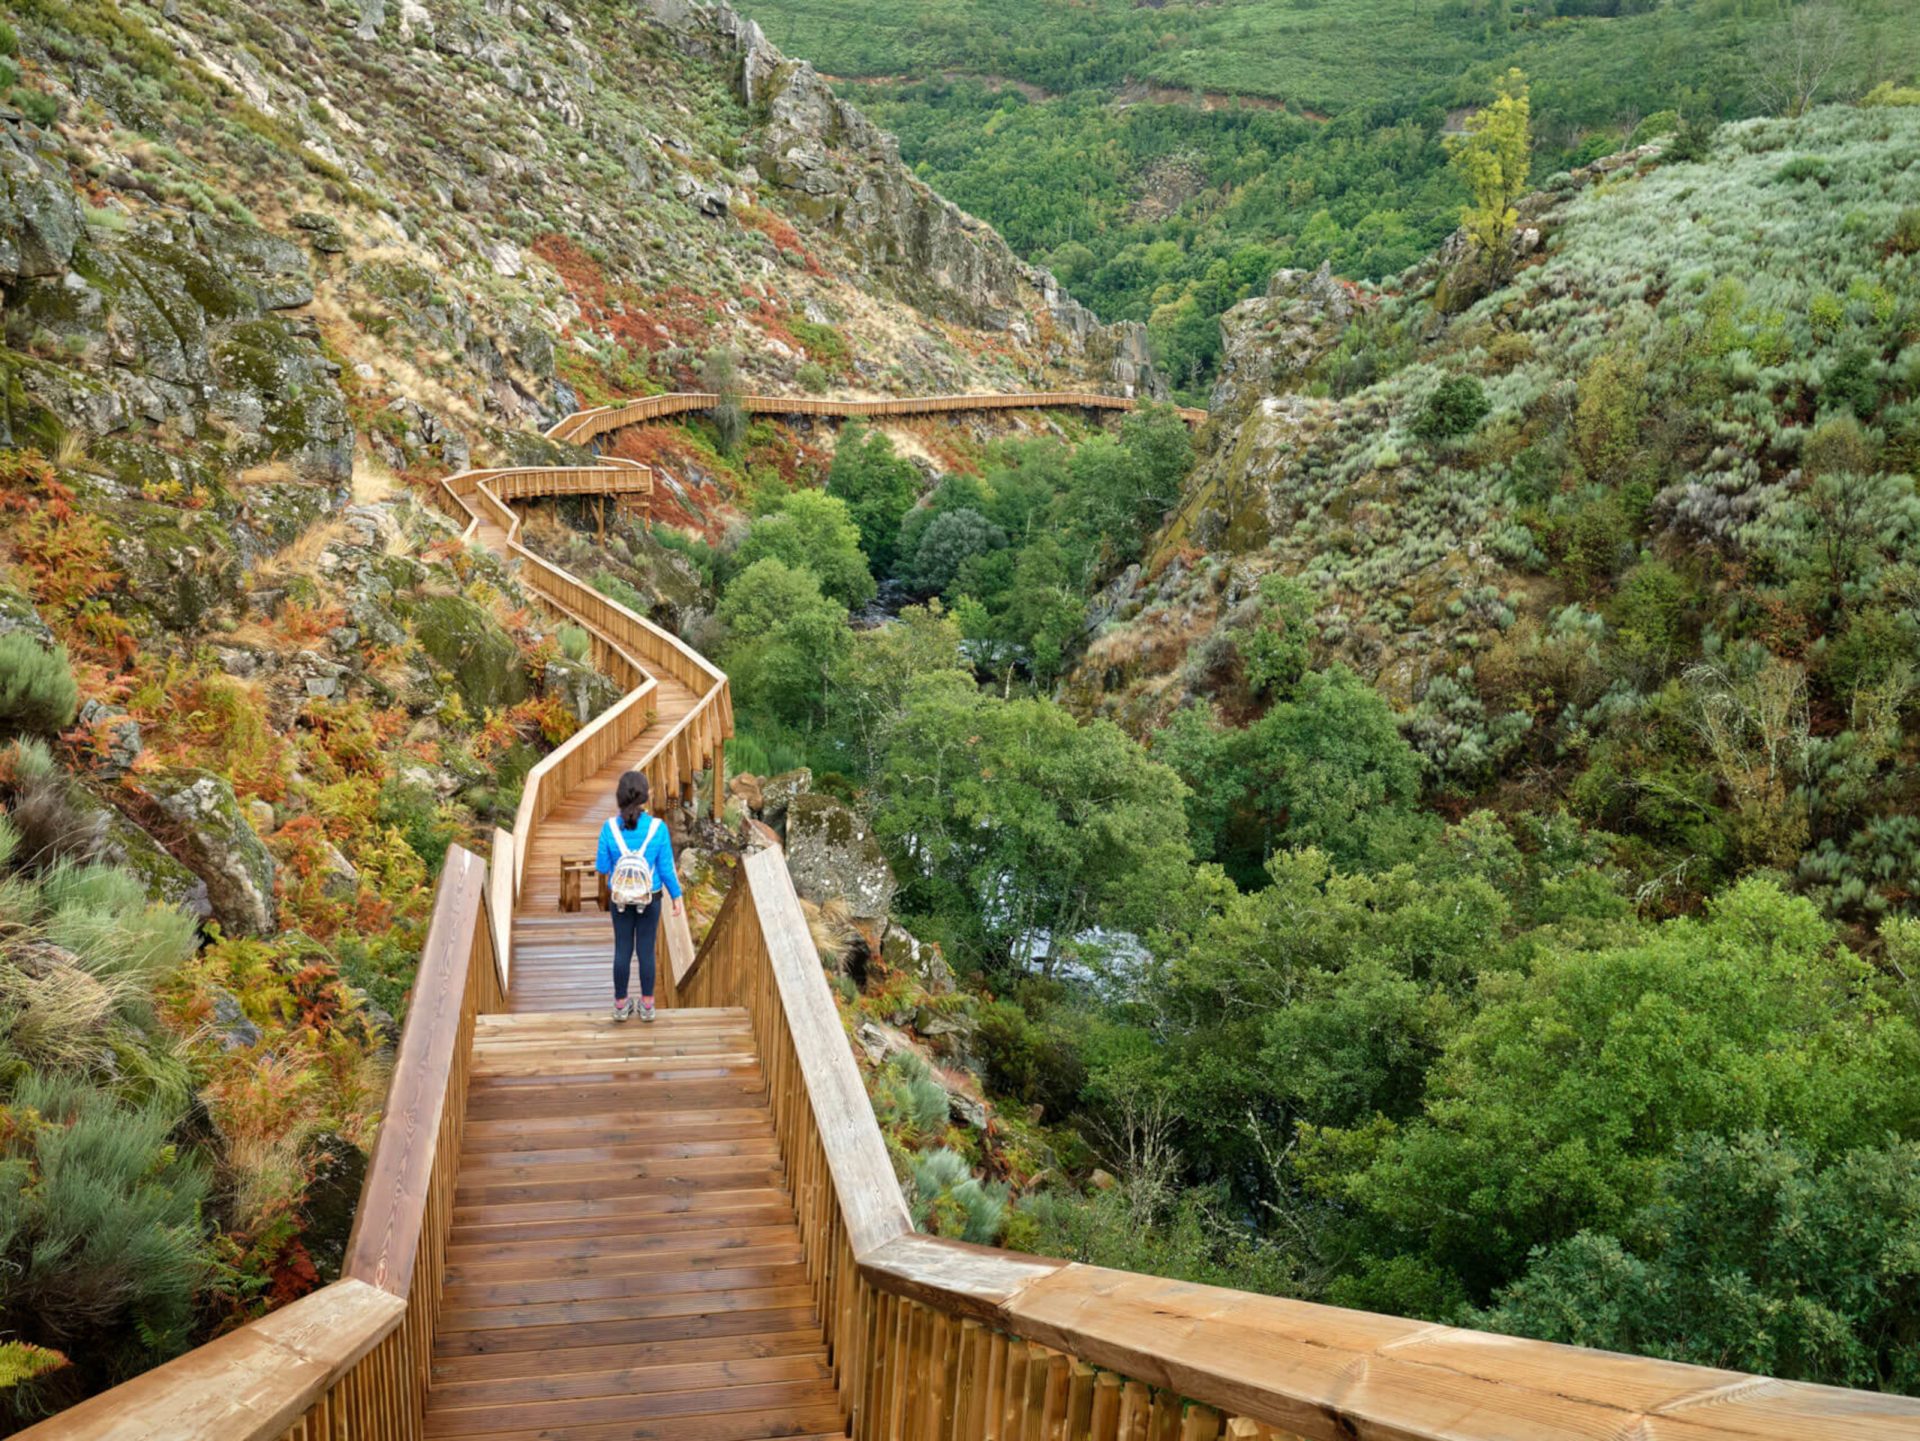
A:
[1166,158]
[1633,532]
[1448,851]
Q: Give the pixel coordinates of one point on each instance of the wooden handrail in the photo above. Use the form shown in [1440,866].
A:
[351,1359]
[934,1340]
[583,426]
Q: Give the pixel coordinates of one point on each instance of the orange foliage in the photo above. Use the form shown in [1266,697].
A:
[63,549]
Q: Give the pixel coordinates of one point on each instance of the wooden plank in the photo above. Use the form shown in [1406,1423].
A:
[624,1331]
[450,1372]
[719,1376]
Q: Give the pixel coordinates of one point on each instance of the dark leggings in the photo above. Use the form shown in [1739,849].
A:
[635,930]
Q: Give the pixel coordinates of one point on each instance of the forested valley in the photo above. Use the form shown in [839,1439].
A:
[1165,159]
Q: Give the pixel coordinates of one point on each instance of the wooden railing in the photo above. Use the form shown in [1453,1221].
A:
[933,1340]
[583,426]
[351,1360]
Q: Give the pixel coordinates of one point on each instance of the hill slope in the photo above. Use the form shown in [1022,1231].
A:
[1167,158]
[1672,458]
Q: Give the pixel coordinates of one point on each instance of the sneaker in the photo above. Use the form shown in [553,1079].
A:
[622,1010]
[646,1010]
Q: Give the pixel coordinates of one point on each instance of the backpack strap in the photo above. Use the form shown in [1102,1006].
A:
[652,830]
[619,840]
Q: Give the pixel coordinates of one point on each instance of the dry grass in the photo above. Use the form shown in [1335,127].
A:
[57,1020]
[373,479]
[274,472]
[301,556]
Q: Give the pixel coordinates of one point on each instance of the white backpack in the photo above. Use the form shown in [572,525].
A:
[632,881]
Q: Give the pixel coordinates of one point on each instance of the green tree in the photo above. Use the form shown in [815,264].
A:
[813,531]
[1557,1107]
[785,642]
[954,538]
[879,670]
[1492,159]
[878,486]
[719,374]
[1752,1255]
[1023,828]
[1278,649]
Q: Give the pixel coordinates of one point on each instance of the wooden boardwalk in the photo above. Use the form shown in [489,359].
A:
[562,961]
[580,1230]
[583,426]
[624,1259]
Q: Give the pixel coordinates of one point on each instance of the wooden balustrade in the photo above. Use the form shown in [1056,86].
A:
[933,1340]
[351,1360]
[584,426]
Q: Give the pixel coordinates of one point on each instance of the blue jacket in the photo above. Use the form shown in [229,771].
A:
[659,851]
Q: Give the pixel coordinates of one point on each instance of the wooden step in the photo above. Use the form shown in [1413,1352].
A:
[775,1398]
[572,1360]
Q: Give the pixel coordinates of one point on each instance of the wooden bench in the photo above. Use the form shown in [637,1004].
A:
[572,869]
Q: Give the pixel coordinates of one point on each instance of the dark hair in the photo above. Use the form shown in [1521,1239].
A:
[632,791]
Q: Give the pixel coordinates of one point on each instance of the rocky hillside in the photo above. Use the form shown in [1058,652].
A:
[1570,526]
[266,269]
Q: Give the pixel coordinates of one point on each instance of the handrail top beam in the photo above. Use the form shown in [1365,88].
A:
[252,1384]
[1332,1375]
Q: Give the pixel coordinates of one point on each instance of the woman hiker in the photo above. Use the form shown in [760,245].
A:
[636,857]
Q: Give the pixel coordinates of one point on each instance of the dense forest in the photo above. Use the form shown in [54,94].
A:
[1137,149]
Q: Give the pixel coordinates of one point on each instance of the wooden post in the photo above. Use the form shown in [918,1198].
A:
[719,777]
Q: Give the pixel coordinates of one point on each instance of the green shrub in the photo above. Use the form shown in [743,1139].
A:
[811,377]
[1906,231]
[574,642]
[1693,141]
[1453,408]
[9,40]
[41,109]
[104,1242]
[1805,167]
[1656,125]
[37,689]
[103,916]
[1887,94]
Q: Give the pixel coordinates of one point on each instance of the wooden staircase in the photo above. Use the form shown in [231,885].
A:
[624,1259]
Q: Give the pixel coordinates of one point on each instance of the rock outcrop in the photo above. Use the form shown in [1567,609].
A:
[843,171]
[211,833]
[834,857]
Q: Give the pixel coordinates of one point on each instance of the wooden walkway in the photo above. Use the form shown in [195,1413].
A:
[583,426]
[562,961]
[624,1259]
